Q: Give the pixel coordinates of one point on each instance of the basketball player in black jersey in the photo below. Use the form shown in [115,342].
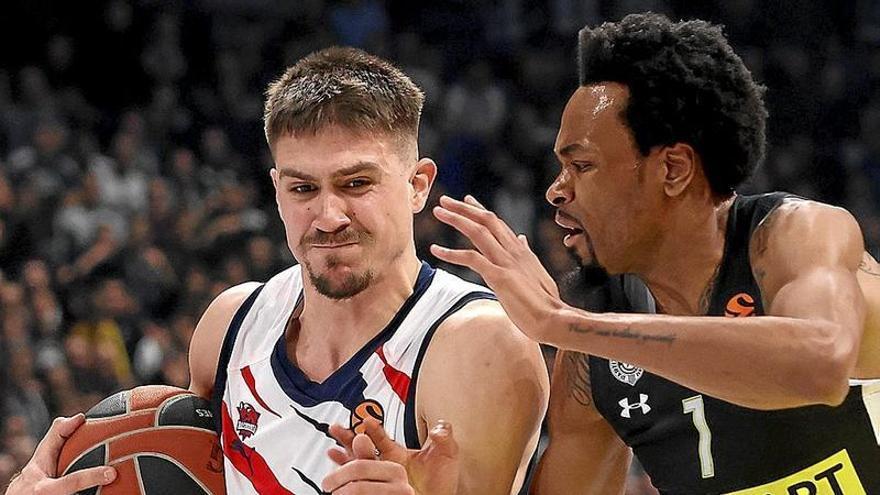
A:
[756,374]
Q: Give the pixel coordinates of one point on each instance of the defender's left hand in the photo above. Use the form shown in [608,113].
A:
[507,264]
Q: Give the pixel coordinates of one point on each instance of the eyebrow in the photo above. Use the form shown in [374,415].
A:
[358,167]
[571,149]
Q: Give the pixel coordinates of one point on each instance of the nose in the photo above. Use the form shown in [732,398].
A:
[332,214]
[560,192]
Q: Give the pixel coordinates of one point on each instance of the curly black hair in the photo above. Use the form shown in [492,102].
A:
[685,85]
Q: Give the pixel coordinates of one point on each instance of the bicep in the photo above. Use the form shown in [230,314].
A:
[584,455]
[805,258]
[494,392]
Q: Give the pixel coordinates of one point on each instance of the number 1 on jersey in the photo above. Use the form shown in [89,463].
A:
[694,406]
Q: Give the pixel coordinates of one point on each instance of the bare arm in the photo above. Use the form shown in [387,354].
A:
[802,353]
[805,260]
[204,349]
[490,383]
[585,455]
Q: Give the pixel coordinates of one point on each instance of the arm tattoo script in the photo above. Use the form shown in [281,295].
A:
[577,377]
[625,334]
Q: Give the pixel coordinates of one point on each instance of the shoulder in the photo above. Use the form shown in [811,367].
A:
[207,339]
[802,233]
[480,323]
[805,217]
[479,345]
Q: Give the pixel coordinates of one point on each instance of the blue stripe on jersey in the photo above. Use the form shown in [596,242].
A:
[226,354]
[410,429]
[345,385]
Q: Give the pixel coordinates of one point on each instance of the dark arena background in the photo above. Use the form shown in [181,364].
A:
[134,179]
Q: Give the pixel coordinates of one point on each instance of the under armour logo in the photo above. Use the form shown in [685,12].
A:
[641,404]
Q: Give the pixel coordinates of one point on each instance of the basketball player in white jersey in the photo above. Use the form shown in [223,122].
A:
[360,334]
[361,328]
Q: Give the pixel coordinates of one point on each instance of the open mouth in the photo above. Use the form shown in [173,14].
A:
[571,226]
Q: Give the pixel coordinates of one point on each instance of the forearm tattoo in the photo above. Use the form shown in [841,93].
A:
[625,334]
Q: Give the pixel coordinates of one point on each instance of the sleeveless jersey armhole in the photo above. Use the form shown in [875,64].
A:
[410,428]
[226,354]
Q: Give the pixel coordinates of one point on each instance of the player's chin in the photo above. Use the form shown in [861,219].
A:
[582,253]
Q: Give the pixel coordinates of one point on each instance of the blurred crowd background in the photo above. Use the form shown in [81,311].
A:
[134,179]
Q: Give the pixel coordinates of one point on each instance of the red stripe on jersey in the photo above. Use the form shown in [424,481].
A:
[398,380]
[252,385]
[248,461]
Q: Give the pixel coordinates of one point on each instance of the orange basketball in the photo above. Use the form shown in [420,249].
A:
[160,439]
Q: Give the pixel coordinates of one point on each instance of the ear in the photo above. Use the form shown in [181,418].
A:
[421,181]
[679,165]
[273,172]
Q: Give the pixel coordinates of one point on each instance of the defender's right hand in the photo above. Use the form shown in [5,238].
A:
[37,476]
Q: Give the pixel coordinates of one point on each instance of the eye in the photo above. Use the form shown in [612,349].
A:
[582,166]
[302,188]
[357,183]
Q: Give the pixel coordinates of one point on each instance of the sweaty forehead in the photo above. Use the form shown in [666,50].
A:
[592,113]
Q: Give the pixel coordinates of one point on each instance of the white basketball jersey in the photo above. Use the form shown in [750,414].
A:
[274,421]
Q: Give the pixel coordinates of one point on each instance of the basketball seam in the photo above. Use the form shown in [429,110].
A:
[139,412]
[137,472]
[167,402]
[107,441]
[173,461]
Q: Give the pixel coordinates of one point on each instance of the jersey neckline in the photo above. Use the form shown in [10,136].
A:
[303,390]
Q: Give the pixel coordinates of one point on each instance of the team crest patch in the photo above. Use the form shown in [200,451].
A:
[366,409]
[247,420]
[625,373]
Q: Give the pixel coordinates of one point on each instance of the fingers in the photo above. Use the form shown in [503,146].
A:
[442,441]
[363,470]
[476,233]
[374,487]
[471,209]
[463,257]
[76,481]
[364,448]
[389,450]
[472,200]
[339,456]
[342,435]
[46,453]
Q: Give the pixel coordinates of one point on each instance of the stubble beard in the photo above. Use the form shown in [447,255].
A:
[351,285]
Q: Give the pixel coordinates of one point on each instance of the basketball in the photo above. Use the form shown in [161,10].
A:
[160,439]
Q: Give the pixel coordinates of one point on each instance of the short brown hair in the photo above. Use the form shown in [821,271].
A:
[346,87]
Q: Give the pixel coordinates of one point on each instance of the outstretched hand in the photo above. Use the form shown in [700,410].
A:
[505,261]
[374,463]
[38,476]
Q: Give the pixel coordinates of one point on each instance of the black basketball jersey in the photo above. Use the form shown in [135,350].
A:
[692,443]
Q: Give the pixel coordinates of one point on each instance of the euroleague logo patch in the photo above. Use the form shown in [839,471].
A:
[740,305]
[247,420]
[366,409]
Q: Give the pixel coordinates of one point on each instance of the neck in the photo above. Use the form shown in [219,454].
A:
[332,330]
[681,272]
